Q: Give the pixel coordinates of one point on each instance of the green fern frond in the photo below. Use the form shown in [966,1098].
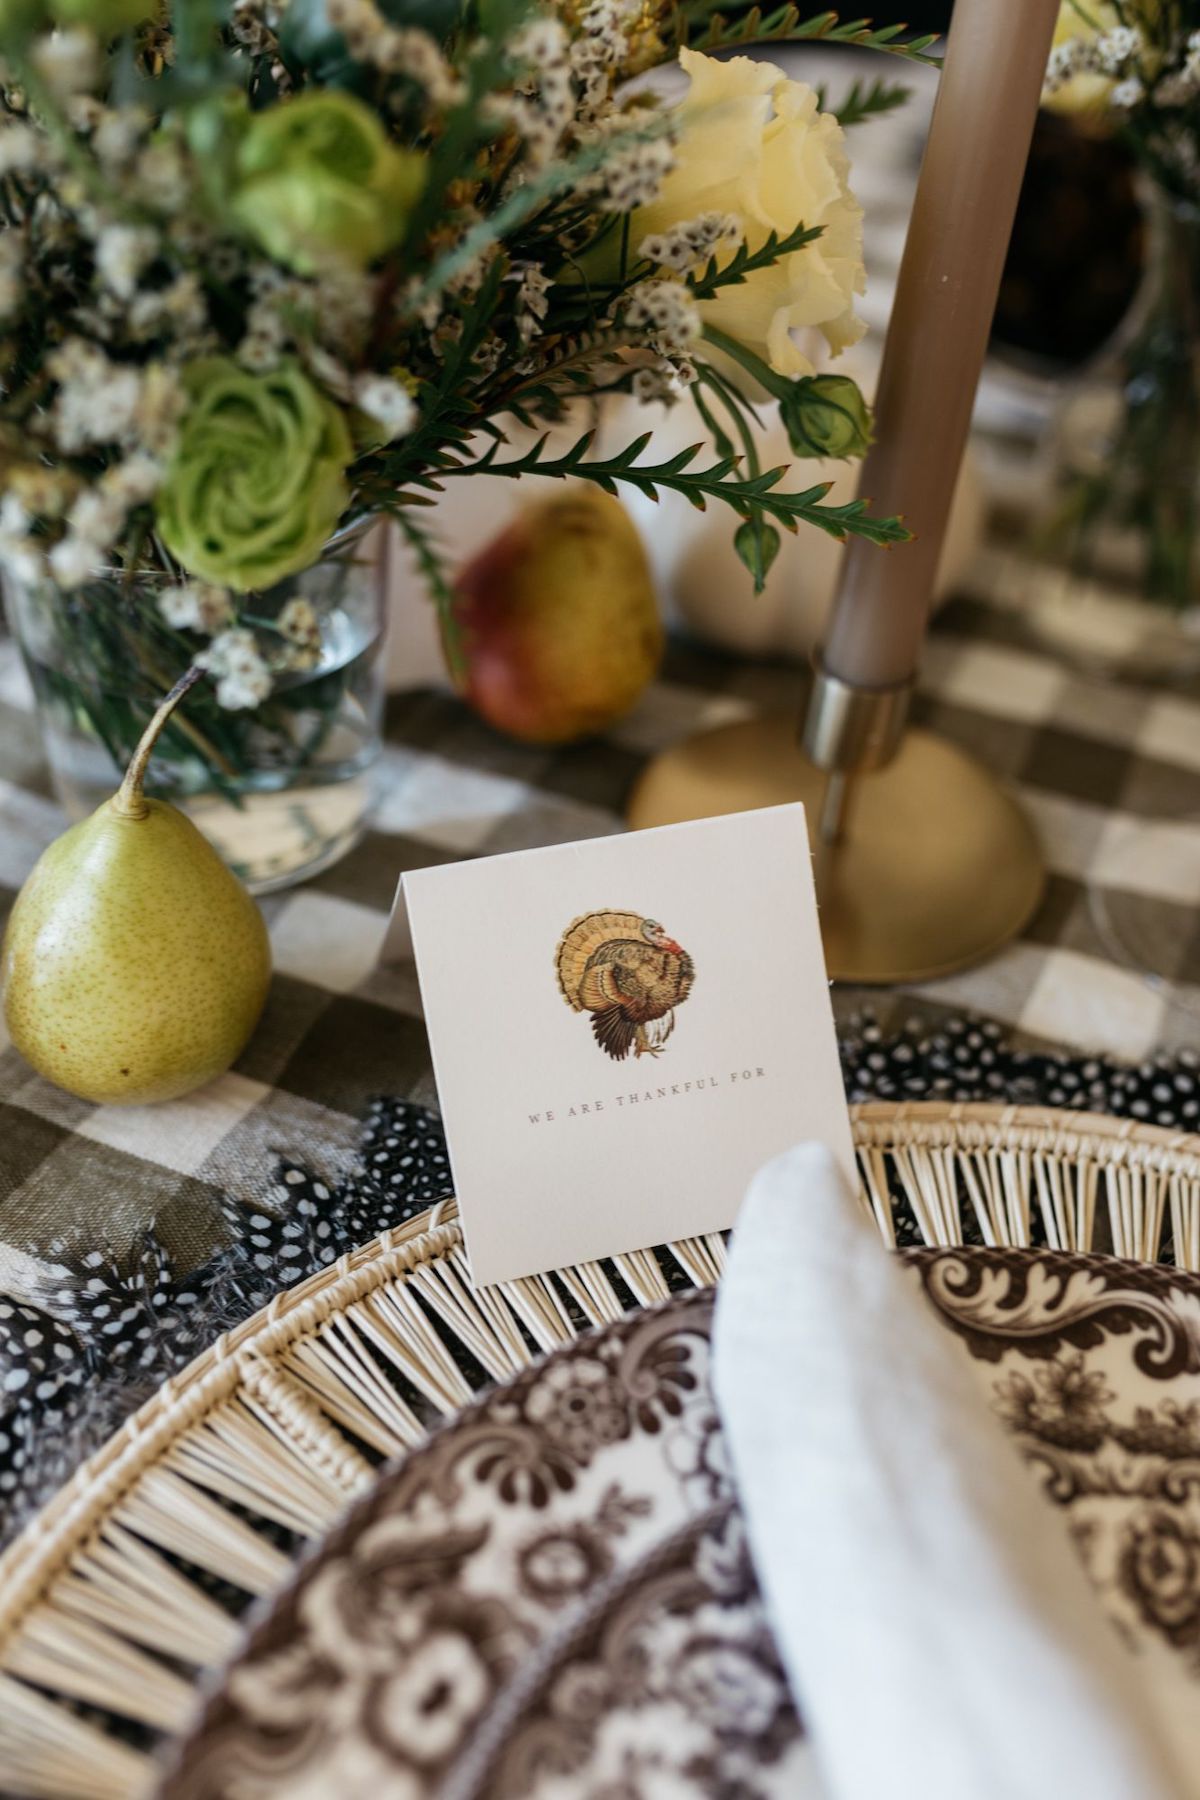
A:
[430,561]
[749,496]
[870,101]
[701,27]
[745,261]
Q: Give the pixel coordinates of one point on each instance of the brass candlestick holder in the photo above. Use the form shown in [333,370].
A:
[923,863]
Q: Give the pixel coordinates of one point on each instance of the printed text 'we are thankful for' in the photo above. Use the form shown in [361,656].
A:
[645,1096]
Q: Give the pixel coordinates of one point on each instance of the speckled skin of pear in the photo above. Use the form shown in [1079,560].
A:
[135,964]
[558,620]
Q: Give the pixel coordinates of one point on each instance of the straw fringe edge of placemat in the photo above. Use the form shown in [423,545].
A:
[277,1419]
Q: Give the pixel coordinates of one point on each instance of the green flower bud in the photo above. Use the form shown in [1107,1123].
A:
[106,18]
[757,546]
[257,482]
[826,415]
[318,181]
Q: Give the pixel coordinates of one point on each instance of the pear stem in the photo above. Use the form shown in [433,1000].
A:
[129,800]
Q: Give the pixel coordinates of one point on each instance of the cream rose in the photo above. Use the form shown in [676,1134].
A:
[756,146]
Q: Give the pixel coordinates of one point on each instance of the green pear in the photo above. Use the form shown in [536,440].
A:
[135,964]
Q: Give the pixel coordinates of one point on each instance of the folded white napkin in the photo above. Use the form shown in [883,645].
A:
[936,1624]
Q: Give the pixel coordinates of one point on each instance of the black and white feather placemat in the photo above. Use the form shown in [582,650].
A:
[110,1324]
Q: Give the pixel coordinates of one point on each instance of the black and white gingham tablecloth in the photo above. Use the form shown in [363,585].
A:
[1108,771]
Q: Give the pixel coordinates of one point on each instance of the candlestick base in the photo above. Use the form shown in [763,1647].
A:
[937,867]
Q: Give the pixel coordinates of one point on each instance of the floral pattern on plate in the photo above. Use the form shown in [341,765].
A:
[1097,1375]
[551,1599]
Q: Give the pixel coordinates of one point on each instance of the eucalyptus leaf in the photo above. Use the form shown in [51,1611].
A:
[438,17]
[308,42]
[499,18]
[201,63]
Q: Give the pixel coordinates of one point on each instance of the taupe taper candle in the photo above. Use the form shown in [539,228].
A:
[945,297]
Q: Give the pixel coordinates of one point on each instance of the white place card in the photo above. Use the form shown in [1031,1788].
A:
[623,1030]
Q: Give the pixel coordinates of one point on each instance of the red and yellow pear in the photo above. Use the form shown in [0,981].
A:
[558,622]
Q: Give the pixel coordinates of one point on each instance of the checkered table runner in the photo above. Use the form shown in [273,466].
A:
[1109,772]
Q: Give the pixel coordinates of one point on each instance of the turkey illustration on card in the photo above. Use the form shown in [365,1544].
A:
[629,974]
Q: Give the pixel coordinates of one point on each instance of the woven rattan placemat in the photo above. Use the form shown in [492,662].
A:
[131,1583]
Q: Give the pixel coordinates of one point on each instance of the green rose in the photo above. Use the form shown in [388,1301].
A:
[258,479]
[318,181]
[825,415]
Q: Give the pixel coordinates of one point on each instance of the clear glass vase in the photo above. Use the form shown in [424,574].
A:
[1123,519]
[283,789]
